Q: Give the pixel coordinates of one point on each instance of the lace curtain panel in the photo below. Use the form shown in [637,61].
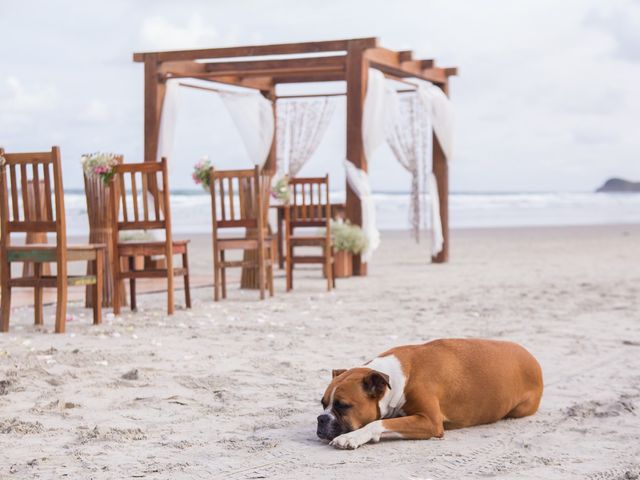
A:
[409,138]
[301,125]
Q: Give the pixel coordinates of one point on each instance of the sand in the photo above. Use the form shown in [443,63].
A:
[231,390]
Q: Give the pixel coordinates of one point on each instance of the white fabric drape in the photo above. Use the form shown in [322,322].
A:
[300,127]
[166,131]
[359,182]
[437,237]
[253,117]
[441,113]
[378,104]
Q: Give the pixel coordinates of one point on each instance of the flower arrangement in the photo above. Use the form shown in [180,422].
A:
[281,190]
[347,237]
[99,165]
[201,172]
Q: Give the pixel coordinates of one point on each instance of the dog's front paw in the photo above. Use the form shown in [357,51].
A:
[350,441]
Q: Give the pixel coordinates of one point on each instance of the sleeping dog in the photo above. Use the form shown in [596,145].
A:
[419,391]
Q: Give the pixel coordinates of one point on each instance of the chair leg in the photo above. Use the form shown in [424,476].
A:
[97,292]
[170,293]
[61,301]
[262,274]
[132,284]
[329,270]
[187,290]
[216,276]
[5,299]
[270,277]
[223,276]
[115,267]
[37,295]
[333,272]
[289,265]
[273,262]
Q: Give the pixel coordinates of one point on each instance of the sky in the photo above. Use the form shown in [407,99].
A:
[547,98]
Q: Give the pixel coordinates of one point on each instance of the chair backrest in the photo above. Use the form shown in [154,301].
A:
[239,198]
[31,195]
[309,202]
[140,197]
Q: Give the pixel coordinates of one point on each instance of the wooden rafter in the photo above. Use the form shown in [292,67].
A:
[279,67]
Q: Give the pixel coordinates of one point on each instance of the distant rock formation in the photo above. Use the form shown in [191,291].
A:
[618,185]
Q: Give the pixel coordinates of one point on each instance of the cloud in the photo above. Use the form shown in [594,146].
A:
[16,98]
[158,33]
[623,26]
[96,111]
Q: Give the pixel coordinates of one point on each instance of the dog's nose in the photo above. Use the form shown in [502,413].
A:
[323,420]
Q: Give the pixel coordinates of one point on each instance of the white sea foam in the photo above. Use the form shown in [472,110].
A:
[191,212]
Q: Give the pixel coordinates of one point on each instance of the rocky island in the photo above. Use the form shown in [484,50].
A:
[618,185]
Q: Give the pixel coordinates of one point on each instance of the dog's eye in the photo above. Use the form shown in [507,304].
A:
[340,406]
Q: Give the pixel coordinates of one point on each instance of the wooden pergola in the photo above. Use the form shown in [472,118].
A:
[263,67]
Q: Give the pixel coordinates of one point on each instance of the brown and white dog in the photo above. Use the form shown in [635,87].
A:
[418,391]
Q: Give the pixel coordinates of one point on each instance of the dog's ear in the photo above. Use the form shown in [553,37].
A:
[375,384]
[339,371]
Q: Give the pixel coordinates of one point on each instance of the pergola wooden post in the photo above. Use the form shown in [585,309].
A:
[335,60]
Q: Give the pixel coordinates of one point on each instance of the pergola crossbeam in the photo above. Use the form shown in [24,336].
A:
[256,50]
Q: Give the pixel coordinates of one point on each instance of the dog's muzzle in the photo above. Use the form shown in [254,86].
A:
[329,427]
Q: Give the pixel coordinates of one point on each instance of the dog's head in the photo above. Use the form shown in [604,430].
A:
[351,401]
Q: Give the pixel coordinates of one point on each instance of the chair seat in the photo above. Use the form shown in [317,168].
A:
[145,249]
[52,281]
[308,240]
[42,252]
[242,243]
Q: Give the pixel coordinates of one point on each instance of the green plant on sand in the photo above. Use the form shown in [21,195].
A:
[347,237]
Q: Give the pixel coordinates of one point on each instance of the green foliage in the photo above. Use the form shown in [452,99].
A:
[347,237]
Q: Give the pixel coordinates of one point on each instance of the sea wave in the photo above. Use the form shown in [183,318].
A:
[191,211]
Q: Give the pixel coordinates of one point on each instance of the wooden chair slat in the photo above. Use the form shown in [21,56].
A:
[36,191]
[231,202]
[47,191]
[223,212]
[242,192]
[14,193]
[134,196]
[30,158]
[25,192]
[156,196]
[123,197]
[145,198]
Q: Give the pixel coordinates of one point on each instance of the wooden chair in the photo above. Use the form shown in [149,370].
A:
[309,207]
[128,214]
[17,216]
[250,213]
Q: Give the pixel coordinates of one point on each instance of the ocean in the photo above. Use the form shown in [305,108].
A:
[191,210]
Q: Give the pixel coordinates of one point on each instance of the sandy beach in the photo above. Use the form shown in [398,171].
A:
[232,390]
